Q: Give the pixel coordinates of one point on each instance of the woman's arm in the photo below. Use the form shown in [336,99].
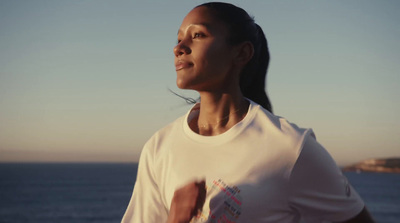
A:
[319,190]
[146,203]
[362,217]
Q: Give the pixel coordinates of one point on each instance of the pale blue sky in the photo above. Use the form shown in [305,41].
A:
[88,80]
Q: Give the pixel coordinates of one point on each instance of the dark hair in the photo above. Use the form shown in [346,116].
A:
[243,28]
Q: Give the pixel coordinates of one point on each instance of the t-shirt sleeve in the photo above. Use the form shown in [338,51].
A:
[145,204]
[318,189]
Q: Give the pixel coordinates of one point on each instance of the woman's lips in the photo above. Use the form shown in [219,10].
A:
[182,65]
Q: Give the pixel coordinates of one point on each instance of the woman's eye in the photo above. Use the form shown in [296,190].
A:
[198,35]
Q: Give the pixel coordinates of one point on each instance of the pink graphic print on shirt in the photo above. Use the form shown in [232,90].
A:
[224,207]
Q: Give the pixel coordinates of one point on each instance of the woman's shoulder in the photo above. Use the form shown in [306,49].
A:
[168,133]
[278,125]
[168,130]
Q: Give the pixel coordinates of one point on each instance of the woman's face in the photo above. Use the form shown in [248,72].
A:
[203,57]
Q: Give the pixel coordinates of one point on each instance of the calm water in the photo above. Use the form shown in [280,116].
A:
[100,193]
[61,193]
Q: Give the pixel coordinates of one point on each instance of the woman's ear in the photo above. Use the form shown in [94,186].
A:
[243,53]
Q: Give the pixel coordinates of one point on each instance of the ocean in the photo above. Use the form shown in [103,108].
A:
[91,193]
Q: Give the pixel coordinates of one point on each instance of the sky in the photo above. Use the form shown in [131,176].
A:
[87,81]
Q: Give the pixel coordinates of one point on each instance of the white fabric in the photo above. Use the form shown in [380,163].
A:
[263,169]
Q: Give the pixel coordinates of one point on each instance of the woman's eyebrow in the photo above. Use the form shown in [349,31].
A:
[206,25]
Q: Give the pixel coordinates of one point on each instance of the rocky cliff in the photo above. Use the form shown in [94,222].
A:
[390,165]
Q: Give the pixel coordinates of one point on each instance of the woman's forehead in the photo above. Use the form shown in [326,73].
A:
[201,16]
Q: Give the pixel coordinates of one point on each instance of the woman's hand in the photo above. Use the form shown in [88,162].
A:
[187,202]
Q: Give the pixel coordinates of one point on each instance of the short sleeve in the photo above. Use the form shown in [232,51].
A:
[318,189]
[145,204]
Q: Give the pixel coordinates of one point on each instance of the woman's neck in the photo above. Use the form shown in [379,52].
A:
[219,112]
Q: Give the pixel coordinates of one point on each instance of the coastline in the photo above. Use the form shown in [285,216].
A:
[387,165]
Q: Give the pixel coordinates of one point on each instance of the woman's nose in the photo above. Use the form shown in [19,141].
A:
[181,49]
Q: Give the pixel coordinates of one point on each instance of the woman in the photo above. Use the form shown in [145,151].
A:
[230,159]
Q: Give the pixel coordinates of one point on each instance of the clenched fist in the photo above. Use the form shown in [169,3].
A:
[187,202]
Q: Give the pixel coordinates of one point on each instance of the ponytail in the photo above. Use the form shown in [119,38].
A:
[252,79]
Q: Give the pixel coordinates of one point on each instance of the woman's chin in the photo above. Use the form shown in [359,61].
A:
[182,84]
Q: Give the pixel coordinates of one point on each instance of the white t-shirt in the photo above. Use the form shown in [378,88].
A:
[263,169]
